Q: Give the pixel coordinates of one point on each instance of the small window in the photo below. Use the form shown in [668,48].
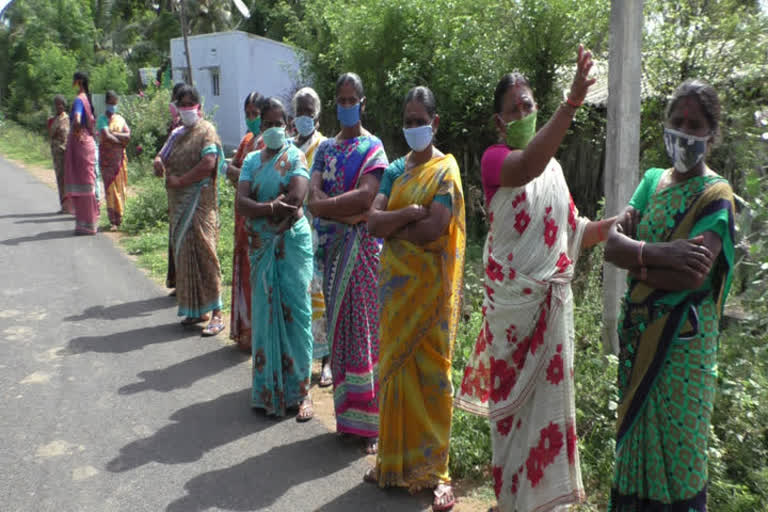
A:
[215,82]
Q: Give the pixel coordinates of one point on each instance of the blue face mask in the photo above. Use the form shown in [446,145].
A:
[111,109]
[305,125]
[348,116]
[274,138]
[418,138]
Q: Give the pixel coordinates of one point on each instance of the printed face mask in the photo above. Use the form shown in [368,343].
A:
[254,125]
[274,138]
[520,132]
[685,151]
[305,125]
[418,138]
[189,115]
[348,116]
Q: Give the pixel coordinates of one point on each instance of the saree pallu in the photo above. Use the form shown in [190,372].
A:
[668,355]
[113,163]
[240,319]
[281,269]
[194,223]
[320,348]
[59,131]
[520,373]
[350,262]
[420,295]
[80,174]
[173,133]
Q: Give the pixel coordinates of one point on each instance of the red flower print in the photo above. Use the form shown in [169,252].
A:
[572,214]
[522,219]
[490,218]
[519,426]
[527,291]
[481,342]
[515,482]
[570,441]
[505,426]
[503,379]
[489,292]
[535,466]
[498,473]
[518,356]
[510,257]
[494,270]
[550,443]
[475,382]
[519,198]
[537,338]
[511,338]
[512,273]
[484,309]
[563,263]
[550,232]
[488,334]
[555,370]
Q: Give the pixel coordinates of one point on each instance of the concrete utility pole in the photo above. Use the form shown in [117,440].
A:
[623,141]
[184,32]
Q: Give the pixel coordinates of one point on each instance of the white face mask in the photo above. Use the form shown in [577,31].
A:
[189,115]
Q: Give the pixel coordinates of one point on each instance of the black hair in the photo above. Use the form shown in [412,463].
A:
[424,96]
[705,94]
[356,82]
[507,81]
[187,90]
[82,77]
[254,98]
[110,95]
[175,90]
[61,98]
[273,103]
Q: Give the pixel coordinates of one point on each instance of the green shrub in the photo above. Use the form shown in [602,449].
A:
[146,207]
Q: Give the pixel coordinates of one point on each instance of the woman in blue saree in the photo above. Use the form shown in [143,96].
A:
[272,189]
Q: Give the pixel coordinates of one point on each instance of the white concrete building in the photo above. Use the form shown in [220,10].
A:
[226,66]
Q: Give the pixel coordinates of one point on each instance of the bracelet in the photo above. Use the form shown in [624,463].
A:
[572,103]
[643,273]
[640,254]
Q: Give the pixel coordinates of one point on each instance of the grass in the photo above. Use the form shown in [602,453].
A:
[19,143]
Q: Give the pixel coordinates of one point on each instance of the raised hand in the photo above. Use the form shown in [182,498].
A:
[581,81]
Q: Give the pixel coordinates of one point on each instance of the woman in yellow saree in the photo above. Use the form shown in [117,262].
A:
[114,136]
[419,211]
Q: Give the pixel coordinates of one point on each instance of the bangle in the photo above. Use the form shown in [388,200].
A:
[271,208]
[640,254]
[572,103]
[643,273]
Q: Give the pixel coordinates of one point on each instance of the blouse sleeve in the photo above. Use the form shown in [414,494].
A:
[318,162]
[299,164]
[250,162]
[102,123]
[490,169]
[391,173]
[645,189]
[78,108]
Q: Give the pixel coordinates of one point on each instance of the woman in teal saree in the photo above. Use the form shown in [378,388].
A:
[272,189]
[676,240]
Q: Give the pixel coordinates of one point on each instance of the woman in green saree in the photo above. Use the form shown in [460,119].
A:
[676,240]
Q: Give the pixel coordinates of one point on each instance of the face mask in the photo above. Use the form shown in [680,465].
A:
[305,125]
[520,132]
[274,138]
[349,116]
[189,115]
[684,150]
[111,109]
[173,110]
[254,125]
[418,138]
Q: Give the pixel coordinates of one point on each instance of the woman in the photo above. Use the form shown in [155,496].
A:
[521,371]
[419,211]
[306,105]
[240,322]
[80,185]
[345,180]
[676,240]
[113,162]
[271,193]
[170,278]
[58,130]
[190,166]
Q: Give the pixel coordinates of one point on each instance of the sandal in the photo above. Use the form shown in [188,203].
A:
[194,320]
[306,412]
[371,445]
[326,378]
[444,498]
[370,476]
[214,328]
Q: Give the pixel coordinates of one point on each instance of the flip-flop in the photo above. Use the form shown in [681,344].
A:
[371,445]
[326,378]
[370,476]
[440,491]
[213,328]
[301,417]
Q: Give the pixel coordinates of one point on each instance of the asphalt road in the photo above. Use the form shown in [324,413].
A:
[108,404]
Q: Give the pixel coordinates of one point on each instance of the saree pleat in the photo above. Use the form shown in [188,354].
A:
[668,358]
[420,295]
[194,225]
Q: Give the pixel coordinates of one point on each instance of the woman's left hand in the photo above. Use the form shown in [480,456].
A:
[581,81]
[283,210]
[173,182]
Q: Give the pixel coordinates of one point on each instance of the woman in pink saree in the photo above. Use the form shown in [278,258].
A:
[80,162]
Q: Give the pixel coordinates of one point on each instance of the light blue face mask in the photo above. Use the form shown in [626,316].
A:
[305,125]
[274,137]
[418,138]
[348,116]
[111,109]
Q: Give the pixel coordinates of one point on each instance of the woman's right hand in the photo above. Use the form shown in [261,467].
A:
[159,167]
[689,255]
[417,212]
[581,81]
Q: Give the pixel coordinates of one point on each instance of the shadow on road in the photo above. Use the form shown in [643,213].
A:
[58,218]
[195,430]
[127,341]
[370,498]
[125,310]
[258,482]
[186,373]
[41,237]
[32,215]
